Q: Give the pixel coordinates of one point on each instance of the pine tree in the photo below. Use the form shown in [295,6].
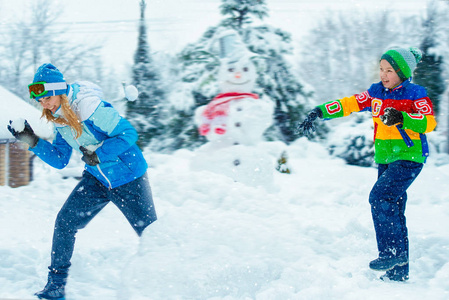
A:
[144,112]
[195,71]
[277,81]
[429,72]
[240,11]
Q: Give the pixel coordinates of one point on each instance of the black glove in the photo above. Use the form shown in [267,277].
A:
[26,136]
[391,116]
[307,126]
[89,157]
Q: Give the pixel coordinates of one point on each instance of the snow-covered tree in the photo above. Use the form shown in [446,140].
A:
[353,140]
[143,113]
[277,80]
[16,53]
[194,78]
[430,71]
[440,50]
[28,43]
[339,57]
[239,12]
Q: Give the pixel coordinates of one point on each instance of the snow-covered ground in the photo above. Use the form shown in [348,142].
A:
[312,238]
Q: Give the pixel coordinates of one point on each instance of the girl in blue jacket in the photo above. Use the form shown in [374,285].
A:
[115,168]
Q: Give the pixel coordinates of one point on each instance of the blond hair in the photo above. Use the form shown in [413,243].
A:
[70,118]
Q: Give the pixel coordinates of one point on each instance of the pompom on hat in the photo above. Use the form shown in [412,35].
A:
[51,79]
[403,60]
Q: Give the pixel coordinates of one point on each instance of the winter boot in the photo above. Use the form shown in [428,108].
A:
[388,262]
[393,277]
[398,273]
[55,288]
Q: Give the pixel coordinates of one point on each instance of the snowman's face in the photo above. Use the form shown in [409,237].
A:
[237,76]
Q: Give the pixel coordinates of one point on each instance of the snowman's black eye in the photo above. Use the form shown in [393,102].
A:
[245,69]
[231,70]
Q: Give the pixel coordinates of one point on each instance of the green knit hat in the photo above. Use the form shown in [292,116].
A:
[403,61]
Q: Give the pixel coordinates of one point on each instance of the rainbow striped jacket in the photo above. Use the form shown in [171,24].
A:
[392,143]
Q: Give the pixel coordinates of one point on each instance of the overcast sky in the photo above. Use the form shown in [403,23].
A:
[174,23]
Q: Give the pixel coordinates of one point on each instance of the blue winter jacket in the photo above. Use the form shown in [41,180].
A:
[112,138]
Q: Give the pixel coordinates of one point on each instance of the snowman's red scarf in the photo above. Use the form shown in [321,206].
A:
[219,106]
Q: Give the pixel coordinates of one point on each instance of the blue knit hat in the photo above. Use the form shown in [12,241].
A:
[55,83]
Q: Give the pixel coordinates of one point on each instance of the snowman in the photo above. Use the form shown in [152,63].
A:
[234,121]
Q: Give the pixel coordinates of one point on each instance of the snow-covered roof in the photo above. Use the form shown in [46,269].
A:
[13,107]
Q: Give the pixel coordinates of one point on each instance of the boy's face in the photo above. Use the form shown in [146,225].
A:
[388,75]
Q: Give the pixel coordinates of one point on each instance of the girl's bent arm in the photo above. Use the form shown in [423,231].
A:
[120,134]
[56,154]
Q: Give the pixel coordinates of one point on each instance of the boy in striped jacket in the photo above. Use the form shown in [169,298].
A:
[402,115]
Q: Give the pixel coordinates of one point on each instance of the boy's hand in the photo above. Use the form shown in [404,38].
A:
[26,135]
[307,126]
[391,116]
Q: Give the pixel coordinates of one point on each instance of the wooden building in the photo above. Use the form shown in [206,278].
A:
[15,163]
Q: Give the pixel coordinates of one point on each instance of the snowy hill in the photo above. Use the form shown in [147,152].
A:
[217,239]
[13,107]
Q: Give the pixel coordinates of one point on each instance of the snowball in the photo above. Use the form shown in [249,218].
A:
[18,124]
[131,93]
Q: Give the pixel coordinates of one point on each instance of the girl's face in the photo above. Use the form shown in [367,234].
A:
[51,103]
[388,75]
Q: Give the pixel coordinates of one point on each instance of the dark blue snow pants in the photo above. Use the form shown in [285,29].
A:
[388,198]
[134,199]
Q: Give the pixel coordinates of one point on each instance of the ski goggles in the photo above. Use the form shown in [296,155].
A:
[39,89]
